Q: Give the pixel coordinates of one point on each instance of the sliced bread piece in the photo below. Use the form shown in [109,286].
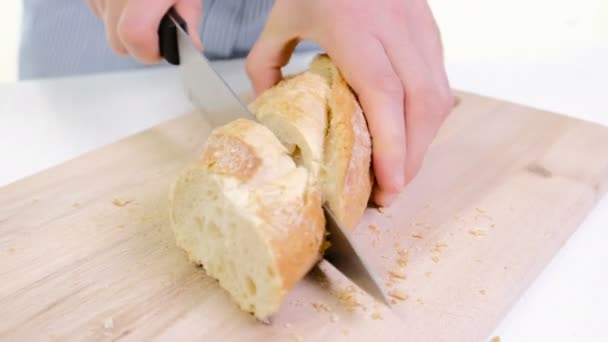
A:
[316,112]
[249,216]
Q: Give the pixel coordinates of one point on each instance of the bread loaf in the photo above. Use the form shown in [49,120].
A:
[249,209]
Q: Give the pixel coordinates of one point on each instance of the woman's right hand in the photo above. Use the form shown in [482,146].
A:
[132,25]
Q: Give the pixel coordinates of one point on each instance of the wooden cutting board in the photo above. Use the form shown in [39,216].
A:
[86,252]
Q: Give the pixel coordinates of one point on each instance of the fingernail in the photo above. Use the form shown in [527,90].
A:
[383,199]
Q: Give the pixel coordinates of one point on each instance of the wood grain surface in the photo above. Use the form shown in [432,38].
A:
[86,252]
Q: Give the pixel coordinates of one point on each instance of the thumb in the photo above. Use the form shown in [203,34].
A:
[269,54]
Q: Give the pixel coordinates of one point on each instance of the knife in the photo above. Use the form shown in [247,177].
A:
[209,93]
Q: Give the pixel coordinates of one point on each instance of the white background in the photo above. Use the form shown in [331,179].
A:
[548,54]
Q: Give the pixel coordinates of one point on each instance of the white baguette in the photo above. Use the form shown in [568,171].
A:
[249,209]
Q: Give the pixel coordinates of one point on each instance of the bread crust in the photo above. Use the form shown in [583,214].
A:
[347,159]
[317,112]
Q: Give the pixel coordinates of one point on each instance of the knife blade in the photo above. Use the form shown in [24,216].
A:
[205,88]
[209,93]
[346,257]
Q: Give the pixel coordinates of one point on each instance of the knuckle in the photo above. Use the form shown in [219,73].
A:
[435,100]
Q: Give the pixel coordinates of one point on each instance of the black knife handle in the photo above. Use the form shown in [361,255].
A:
[167,36]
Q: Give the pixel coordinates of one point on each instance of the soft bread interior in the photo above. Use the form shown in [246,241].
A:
[250,217]
[227,243]
[295,111]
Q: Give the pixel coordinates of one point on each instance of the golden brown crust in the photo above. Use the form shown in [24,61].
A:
[230,156]
[347,149]
[297,249]
[317,111]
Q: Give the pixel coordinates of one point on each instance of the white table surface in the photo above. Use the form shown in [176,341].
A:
[561,65]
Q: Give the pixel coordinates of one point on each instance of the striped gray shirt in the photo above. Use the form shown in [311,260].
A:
[63,37]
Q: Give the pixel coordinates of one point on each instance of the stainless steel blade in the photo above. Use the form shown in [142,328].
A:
[343,254]
[207,91]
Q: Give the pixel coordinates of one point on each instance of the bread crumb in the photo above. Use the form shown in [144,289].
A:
[120,203]
[403,257]
[287,325]
[402,262]
[376,316]
[396,245]
[479,210]
[439,247]
[11,250]
[347,297]
[334,318]
[477,232]
[373,229]
[428,274]
[418,236]
[76,205]
[325,245]
[420,224]
[389,284]
[435,259]
[321,307]
[296,338]
[495,339]
[345,331]
[393,301]
[397,274]
[482,291]
[108,323]
[397,294]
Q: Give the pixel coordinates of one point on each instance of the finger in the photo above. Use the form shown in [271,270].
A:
[370,74]
[268,55]
[191,11]
[428,42]
[426,102]
[111,17]
[138,28]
